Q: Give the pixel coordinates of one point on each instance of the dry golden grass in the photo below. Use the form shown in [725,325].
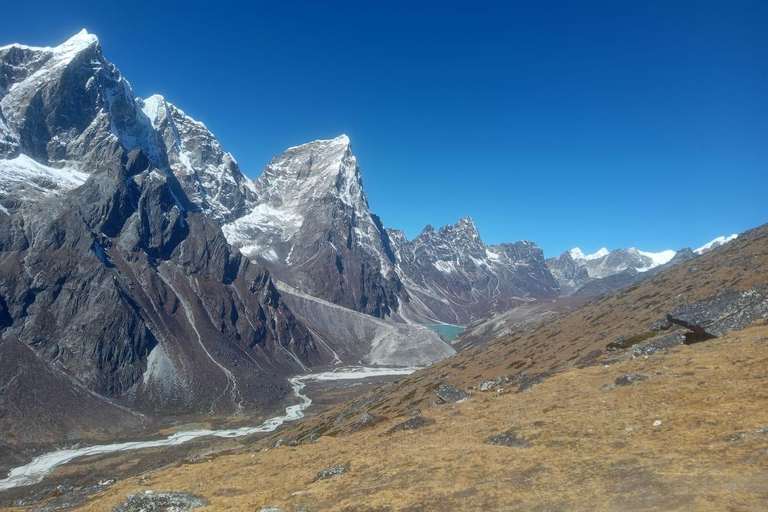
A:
[592,447]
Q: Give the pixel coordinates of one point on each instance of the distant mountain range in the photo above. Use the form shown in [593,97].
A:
[142,270]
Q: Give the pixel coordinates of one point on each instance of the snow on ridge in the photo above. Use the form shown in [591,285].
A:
[578,254]
[717,242]
[24,171]
[659,258]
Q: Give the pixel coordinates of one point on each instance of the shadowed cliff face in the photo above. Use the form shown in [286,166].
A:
[134,298]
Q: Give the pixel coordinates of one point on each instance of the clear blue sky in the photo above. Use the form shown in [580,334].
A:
[568,123]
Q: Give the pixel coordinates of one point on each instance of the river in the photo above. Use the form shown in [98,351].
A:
[35,471]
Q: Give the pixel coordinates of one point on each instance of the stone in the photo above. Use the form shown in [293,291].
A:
[161,502]
[662,324]
[629,378]
[452,395]
[508,438]
[657,423]
[494,383]
[659,343]
[331,472]
[412,424]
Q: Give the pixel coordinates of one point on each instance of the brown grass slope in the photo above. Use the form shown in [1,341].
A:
[575,339]
[583,443]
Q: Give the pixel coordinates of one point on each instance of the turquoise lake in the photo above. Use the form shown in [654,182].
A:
[446,331]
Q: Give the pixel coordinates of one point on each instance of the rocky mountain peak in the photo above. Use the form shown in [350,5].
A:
[322,170]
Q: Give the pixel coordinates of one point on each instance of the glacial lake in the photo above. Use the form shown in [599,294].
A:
[446,331]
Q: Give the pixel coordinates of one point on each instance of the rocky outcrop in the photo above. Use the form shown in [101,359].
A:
[729,311]
[452,395]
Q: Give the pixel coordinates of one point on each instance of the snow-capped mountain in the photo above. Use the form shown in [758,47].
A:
[117,282]
[606,270]
[714,244]
[450,273]
[68,111]
[312,227]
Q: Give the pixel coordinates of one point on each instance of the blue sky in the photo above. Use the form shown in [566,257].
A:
[591,123]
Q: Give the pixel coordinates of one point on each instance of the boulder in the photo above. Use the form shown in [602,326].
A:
[412,424]
[629,378]
[656,344]
[452,395]
[331,472]
[494,383]
[161,502]
[508,438]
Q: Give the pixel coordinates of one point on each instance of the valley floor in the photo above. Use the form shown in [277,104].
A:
[693,436]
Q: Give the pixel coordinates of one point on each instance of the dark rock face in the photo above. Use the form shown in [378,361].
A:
[331,472]
[626,380]
[452,395]
[161,502]
[412,424]
[509,438]
[730,311]
[127,294]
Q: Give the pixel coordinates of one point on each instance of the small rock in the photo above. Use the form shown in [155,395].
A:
[452,395]
[331,472]
[161,502]
[412,424]
[657,344]
[366,420]
[629,378]
[491,384]
[413,412]
[662,324]
[271,509]
[657,423]
[508,438]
